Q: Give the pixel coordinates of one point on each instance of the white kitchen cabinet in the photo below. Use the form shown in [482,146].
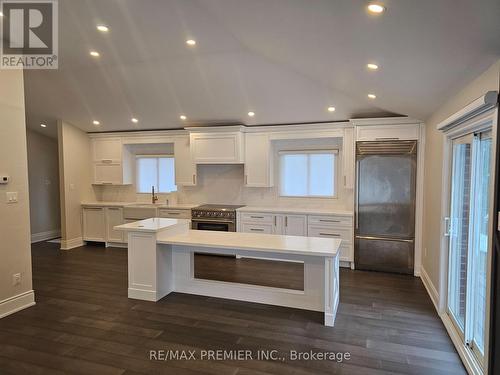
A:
[114,216]
[334,226]
[217,146]
[311,225]
[348,158]
[107,150]
[388,132]
[294,225]
[185,168]
[174,213]
[108,174]
[258,160]
[257,228]
[112,162]
[94,224]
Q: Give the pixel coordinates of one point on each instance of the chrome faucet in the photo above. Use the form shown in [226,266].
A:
[154,198]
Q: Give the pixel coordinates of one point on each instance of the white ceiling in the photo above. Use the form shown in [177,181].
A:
[286,60]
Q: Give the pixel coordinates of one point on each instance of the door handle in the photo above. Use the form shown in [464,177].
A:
[286,221]
[447,227]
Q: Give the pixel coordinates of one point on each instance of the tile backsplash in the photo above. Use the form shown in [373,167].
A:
[225,184]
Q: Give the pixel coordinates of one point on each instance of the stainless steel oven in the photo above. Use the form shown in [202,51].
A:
[214,217]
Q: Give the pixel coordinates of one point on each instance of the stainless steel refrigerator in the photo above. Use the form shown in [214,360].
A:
[385,206]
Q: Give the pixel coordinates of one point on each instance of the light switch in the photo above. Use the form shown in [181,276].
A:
[11,196]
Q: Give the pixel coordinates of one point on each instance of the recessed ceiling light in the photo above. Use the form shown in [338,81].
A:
[251,114]
[376,8]
[372,96]
[372,66]
[95,122]
[182,117]
[331,109]
[191,42]
[134,120]
[103,28]
[43,125]
[94,53]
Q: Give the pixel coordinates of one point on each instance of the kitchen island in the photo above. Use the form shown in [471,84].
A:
[161,261]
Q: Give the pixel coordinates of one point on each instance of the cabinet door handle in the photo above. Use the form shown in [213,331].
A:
[329,221]
[329,234]
[256,230]
[172,213]
[274,220]
[257,217]
[107,161]
[194,179]
[246,179]
[286,221]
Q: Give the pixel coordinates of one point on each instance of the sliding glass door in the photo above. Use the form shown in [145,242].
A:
[468,230]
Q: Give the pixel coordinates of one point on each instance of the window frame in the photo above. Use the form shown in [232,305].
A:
[157,157]
[334,151]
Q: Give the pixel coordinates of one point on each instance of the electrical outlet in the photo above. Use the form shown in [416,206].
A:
[16,279]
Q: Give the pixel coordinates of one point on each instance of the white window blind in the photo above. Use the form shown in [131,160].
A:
[308,173]
[157,171]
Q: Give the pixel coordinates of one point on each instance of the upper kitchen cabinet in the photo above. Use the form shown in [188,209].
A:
[387,129]
[107,150]
[217,145]
[111,162]
[348,158]
[185,168]
[258,160]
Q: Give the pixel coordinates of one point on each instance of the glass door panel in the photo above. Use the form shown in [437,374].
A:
[480,242]
[459,230]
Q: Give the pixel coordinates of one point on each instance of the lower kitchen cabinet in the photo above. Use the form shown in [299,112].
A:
[114,217]
[294,225]
[98,224]
[311,225]
[94,224]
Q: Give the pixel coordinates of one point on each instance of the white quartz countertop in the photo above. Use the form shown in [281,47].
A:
[152,225]
[178,206]
[299,210]
[253,241]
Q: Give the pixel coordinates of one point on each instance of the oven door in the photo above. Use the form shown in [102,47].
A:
[213,224]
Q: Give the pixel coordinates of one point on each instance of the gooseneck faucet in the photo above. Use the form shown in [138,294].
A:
[154,197]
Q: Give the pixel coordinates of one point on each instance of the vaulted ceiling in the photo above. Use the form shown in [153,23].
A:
[285,60]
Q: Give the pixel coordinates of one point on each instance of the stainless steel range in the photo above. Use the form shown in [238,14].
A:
[218,217]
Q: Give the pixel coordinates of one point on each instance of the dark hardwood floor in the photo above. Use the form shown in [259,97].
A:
[289,275]
[83,323]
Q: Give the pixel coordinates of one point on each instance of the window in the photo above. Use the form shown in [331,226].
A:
[157,171]
[308,173]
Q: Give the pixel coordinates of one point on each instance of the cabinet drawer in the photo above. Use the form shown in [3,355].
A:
[330,221]
[174,214]
[345,234]
[258,217]
[257,228]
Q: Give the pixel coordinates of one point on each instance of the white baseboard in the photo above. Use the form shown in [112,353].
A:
[431,289]
[14,304]
[44,236]
[71,244]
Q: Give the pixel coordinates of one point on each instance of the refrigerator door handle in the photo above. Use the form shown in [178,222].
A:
[357,195]
[409,240]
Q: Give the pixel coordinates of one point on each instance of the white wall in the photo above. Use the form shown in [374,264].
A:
[487,81]
[43,172]
[75,181]
[15,251]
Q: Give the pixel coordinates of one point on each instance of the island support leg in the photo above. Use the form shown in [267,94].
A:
[332,292]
